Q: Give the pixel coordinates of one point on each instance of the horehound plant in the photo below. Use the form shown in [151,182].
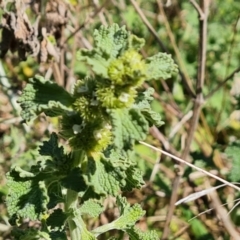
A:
[101,120]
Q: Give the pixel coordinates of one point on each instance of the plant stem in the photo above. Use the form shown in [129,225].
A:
[72,201]
[77,156]
[77,227]
[75,232]
[70,206]
[105,228]
[204,6]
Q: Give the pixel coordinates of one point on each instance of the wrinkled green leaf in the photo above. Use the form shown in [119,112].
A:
[143,104]
[41,95]
[27,197]
[31,234]
[137,234]
[91,207]
[129,126]
[129,215]
[57,219]
[74,180]
[160,66]
[100,176]
[109,43]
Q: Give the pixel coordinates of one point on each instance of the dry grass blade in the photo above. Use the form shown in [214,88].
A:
[197,195]
[192,166]
[209,210]
[234,206]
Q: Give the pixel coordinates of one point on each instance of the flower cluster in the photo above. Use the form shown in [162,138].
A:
[94,96]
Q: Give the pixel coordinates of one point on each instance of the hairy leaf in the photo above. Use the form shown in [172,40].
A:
[27,197]
[50,148]
[160,66]
[58,235]
[129,215]
[41,95]
[100,176]
[31,234]
[57,219]
[74,180]
[143,104]
[109,176]
[91,207]
[129,126]
[126,171]
[109,43]
[137,234]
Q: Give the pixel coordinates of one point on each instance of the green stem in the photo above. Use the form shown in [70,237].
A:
[71,200]
[77,156]
[70,207]
[102,229]
[71,203]
[75,231]
[77,227]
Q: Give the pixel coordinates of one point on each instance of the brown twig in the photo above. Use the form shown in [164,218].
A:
[180,232]
[222,213]
[101,15]
[179,125]
[57,74]
[199,10]
[222,84]
[196,110]
[167,146]
[184,162]
[149,26]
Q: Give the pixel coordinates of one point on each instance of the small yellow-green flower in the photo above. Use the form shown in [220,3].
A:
[116,96]
[91,137]
[129,69]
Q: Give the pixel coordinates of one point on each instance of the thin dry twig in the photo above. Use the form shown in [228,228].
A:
[197,195]
[180,232]
[149,26]
[199,10]
[234,207]
[215,199]
[196,110]
[182,161]
[180,124]
[57,73]
[101,15]
[222,83]
[209,210]
[166,144]
[221,211]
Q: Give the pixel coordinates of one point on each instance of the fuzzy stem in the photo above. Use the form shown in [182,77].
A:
[105,228]
[76,225]
[70,206]
[71,202]
[77,156]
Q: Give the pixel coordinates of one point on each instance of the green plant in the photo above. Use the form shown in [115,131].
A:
[102,119]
